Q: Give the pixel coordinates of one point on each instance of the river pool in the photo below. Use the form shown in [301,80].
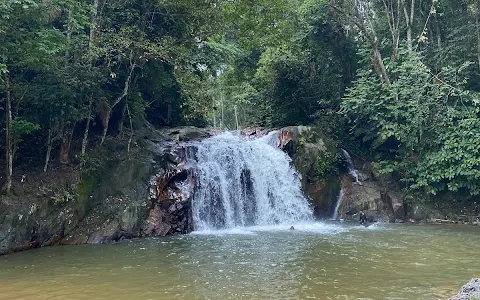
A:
[315,261]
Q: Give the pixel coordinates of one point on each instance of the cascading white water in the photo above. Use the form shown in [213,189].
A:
[341,194]
[351,168]
[244,183]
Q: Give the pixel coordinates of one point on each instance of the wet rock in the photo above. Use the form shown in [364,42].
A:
[185,133]
[375,198]
[155,224]
[118,204]
[306,146]
[254,132]
[30,225]
[170,193]
[469,291]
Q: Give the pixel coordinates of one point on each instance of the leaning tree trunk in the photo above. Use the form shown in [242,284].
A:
[106,121]
[393,17]
[8,138]
[379,65]
[360,20]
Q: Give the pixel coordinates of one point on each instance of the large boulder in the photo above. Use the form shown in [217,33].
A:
[377,195]
[374,198]
[469,291]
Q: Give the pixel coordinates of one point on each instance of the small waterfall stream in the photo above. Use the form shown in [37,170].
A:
[352,171]
[351,168]
[341,194]
[244,183]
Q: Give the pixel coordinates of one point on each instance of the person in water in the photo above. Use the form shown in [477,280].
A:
[363,218]
[292,228]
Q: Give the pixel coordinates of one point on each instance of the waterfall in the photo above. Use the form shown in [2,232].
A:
[341,194]
[351,168]
[352,171]
[244,183]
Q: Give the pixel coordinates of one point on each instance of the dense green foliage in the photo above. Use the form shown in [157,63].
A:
[399,79]
[421,125]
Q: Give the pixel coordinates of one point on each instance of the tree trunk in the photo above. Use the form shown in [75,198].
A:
[67,134]
[49,148]
[85,137]
[478,31]
[69,36]
[236,117]
[392,12]
[369,32]
[409,22]
[222,123]
[244,116]
[396,42]
[409,38]
[131,129]
[94,26]
[379,65]
[119,98]
[8,138]
[214,115]
[105,125]
[122,120]
[439,35]
[92,33]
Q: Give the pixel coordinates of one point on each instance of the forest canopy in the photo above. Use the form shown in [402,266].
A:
[398,81]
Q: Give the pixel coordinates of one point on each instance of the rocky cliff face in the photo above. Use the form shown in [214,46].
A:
[141,193]
[379,199]
[169,197]
[315,161]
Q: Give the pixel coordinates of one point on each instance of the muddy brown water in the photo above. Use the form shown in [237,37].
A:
[315,261]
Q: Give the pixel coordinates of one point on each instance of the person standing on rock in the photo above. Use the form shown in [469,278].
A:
[363,218]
